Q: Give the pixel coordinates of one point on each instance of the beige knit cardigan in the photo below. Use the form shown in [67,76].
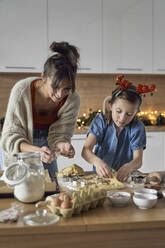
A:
[18,125]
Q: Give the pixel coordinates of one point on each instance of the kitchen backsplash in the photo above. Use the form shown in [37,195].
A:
[93,88]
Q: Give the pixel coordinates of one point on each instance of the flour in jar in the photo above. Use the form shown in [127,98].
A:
[31,189]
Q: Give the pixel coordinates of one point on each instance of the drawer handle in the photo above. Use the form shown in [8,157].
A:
[84,69]
[160,69]
[20,67]
[128,69]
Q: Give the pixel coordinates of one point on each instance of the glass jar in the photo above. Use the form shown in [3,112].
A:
[27,177]
[32,188]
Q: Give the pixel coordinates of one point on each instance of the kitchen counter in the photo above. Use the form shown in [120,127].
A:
[148,129]
[107,226]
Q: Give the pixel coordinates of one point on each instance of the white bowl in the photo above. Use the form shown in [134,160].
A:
[145,191]
[119,199]
[145,201]
[163,193]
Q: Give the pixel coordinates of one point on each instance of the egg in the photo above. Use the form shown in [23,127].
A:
[55,202]
[63,196]
[66,204]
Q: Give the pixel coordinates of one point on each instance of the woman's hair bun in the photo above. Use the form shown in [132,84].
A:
[59,47]
[70,52]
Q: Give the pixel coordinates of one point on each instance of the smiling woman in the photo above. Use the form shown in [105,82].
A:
[42,112]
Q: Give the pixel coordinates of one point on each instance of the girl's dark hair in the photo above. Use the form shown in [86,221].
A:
[63,64]
[130,95]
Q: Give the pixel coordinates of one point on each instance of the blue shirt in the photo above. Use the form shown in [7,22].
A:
[117,150]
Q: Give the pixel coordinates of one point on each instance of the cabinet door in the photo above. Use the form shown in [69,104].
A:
[127,36]
[77,142]
[79,23]
[158,36]
[153,156]
[23,35]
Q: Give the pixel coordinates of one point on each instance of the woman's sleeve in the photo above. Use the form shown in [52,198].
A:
[63,128]
[97,128]
[14,128]
[138,136]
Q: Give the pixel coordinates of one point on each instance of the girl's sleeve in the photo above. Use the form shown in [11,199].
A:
[97,128]
[138,136]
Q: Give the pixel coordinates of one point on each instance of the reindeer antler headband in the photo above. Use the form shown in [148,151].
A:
[125,85]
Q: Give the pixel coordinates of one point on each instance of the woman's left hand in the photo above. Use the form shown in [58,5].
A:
[65,149]
[123,172]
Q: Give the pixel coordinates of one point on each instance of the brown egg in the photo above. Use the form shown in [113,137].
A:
[63,196]
[66,204]
[55,202]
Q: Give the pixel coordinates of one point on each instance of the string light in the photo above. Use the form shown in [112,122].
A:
[148,117]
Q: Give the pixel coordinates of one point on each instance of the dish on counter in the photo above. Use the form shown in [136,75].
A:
[163,193]
[40,218]
[119,199]
[145,201]
[145,191]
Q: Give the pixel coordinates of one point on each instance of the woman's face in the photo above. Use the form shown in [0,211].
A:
[59,93]
[123,112]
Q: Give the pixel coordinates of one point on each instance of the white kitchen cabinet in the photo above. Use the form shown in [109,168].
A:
[23,29]
[158,36]
[77,142]
[79,23]
[153,156]
[127,36]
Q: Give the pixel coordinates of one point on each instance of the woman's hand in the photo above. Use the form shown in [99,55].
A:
[47,156]
[103,170]
[65,149]
[123,172]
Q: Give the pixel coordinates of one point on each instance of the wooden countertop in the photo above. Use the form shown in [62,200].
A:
[102,226]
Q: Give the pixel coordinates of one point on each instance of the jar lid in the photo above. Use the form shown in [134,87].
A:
[15,173]
[28,154]
[40,218]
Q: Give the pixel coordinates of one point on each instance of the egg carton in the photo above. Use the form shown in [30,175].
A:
[83,201]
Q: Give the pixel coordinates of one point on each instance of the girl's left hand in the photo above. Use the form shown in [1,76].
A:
[123,173]
[65,149]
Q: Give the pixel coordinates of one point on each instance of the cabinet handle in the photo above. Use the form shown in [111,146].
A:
[20,67]
[160,69]
[149,136]
[84,69]
[128,69]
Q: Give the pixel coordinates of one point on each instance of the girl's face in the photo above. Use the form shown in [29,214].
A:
[59,93]
[123,112]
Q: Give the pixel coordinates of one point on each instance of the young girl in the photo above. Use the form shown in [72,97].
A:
[119,138]
[42,111]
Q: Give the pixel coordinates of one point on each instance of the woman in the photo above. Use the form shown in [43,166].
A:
[42,112]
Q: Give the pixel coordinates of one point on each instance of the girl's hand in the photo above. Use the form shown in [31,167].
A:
[123,172]
[65,149]
[47,156]
[103,170]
